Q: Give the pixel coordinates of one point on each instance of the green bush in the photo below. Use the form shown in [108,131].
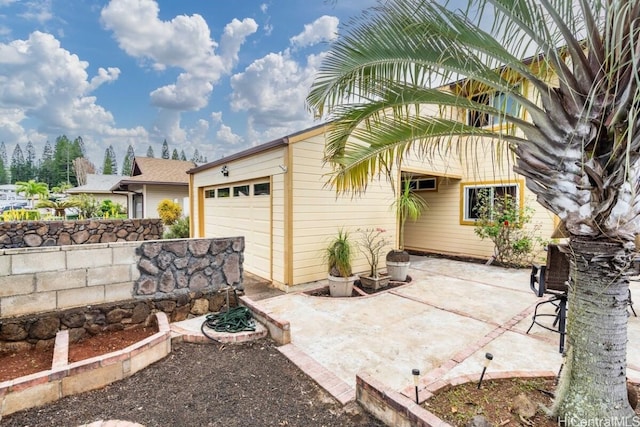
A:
[111,209]
[88,206]
[169,211]
[179,229]
[503,222]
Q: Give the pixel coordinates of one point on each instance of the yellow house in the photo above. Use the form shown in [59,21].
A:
[276,196]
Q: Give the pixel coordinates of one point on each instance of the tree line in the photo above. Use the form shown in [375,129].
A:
[66,162]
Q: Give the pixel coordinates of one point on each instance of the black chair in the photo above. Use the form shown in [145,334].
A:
[552,279]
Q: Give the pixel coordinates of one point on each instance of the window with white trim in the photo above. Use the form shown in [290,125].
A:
[472,194]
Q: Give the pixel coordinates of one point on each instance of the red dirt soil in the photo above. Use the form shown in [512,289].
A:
[18,364]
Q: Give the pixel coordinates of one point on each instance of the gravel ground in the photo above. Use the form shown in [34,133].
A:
[249,384]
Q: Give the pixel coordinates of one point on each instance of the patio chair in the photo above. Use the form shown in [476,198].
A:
[552,279]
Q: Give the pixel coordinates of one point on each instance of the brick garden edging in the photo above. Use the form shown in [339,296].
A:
[66,379]
[397,409]
[279,330]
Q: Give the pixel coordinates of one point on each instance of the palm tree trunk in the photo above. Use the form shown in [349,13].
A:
[593,382]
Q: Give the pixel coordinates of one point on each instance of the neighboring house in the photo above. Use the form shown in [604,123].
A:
[153,180]
[276,196]
[99,187]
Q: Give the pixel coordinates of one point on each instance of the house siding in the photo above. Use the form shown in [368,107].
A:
[154,194]
[317,214]
[440,229]
[263,166]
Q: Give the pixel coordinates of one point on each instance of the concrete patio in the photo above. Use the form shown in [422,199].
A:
[442,323]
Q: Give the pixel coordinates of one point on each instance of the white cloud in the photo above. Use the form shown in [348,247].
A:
[188,93]
[10,128]
[49,86]
[264,7]
[167,126]
[233,37]
[183,42]
[37,10]
[104,76]
[198,134]
[226,136]
[33,73]
[273,90]
[322,29]
[216,116]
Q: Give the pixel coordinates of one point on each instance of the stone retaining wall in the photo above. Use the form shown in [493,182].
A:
[29,234]
[26,332]
[170,266]
[92,288]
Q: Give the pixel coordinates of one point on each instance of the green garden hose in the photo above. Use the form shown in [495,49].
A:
[237,319]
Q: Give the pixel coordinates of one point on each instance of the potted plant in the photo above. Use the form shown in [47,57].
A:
[407,205]
[371,243]
[339,255]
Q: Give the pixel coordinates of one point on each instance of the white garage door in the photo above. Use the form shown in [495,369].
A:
[242,209]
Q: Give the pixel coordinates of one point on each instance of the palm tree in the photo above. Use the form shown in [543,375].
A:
[579,147]
[31,189]
[58,206]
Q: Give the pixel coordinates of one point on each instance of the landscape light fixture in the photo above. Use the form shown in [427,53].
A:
[416,379]
[224,171]
[488,357]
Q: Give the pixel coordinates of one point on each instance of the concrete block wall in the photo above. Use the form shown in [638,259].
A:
[48,279]
[35,280]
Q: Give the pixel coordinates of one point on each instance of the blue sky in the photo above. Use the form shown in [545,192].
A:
[219,76]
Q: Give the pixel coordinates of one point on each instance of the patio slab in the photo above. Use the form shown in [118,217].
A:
[442,323]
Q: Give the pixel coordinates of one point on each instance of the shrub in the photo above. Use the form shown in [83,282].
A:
[169,211]
[339,254]
[88,206]
[503,222]
[179,229]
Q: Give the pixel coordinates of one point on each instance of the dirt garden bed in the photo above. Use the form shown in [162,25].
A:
[206,385]
[20,363]
[499,401]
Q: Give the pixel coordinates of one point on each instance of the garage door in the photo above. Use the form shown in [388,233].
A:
[242,209]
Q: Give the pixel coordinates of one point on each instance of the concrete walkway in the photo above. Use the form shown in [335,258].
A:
[442,323]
